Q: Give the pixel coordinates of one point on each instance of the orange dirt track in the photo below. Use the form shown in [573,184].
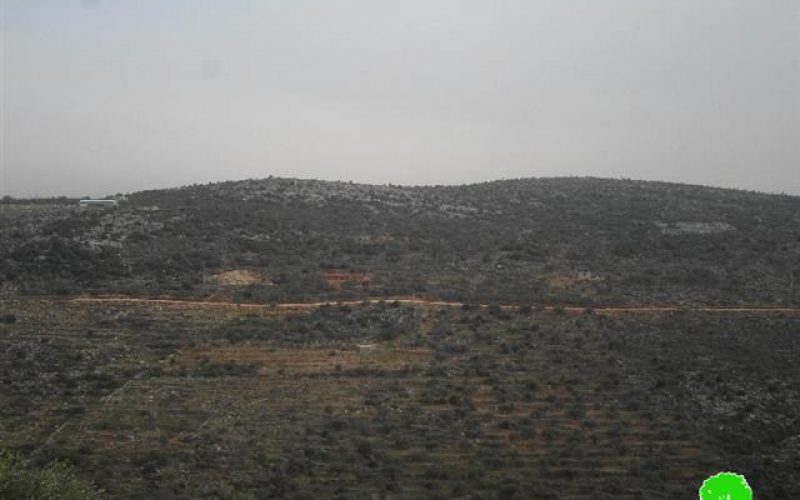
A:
[417,301]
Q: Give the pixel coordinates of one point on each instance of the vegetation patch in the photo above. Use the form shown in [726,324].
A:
[20,479]
[151,401]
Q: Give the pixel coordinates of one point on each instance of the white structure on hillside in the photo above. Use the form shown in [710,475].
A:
[586,275]
[98,203]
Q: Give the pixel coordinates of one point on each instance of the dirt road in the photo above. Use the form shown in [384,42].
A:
[417,301]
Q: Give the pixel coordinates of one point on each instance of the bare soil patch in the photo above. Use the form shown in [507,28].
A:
[337,278]
[241,277]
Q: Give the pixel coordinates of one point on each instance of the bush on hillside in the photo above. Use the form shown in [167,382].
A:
[18,479]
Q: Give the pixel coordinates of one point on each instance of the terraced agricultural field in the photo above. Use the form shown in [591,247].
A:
[396,401]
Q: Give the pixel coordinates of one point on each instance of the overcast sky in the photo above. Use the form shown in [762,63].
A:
[109,96]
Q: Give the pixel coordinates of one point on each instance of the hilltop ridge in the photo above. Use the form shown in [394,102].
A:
[557,240]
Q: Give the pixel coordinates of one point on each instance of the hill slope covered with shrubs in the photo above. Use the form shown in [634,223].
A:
[562,240]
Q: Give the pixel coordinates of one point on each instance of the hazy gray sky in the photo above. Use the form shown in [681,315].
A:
[114,96]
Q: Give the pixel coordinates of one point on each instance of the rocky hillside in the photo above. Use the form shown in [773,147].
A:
[564,240]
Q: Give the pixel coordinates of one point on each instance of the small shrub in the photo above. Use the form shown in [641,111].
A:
[18,479]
